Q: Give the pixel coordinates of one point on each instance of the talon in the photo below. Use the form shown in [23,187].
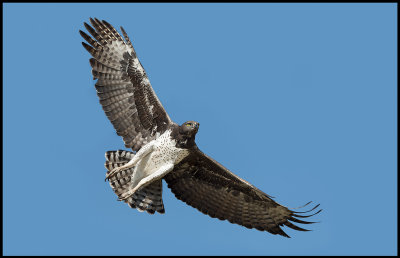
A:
[126,195]
[112,172]
[124,198]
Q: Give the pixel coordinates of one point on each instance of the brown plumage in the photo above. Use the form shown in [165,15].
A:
[137,115]
[203,183]
[123,86]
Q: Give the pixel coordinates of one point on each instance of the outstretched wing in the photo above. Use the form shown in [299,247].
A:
[203,183]
[124,90]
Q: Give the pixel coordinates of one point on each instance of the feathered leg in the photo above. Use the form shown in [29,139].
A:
[148,198]
[145,150]
[147,180]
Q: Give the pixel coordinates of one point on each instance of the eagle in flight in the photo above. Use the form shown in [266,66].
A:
[165,150]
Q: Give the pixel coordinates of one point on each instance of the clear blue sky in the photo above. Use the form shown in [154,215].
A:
[298,99]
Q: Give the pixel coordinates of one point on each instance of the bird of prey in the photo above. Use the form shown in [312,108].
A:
[165,150]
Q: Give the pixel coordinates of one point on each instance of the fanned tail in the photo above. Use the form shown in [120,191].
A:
[148,198]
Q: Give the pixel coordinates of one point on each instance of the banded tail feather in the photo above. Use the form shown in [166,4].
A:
[148,198]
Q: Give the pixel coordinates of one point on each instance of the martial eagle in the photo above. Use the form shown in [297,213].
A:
[165,150]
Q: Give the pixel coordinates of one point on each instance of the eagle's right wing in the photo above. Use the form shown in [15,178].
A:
[203,183]
[123,87]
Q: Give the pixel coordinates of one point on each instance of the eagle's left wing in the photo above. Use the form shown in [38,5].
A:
[123,87]
[203,183]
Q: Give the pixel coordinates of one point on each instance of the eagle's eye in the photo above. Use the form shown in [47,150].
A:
[189,124]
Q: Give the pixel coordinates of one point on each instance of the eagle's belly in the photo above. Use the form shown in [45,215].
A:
[164,153]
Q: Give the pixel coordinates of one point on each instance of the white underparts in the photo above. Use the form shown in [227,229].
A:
[154,160]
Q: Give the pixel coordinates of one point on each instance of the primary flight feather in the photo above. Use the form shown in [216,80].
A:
[166,150]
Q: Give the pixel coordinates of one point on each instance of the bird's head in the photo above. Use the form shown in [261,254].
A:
[185,134]
[189,128]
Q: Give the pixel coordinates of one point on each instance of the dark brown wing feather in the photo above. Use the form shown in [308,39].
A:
[123,86]
[203,183]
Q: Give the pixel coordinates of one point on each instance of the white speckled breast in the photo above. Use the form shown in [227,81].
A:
[164,152]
